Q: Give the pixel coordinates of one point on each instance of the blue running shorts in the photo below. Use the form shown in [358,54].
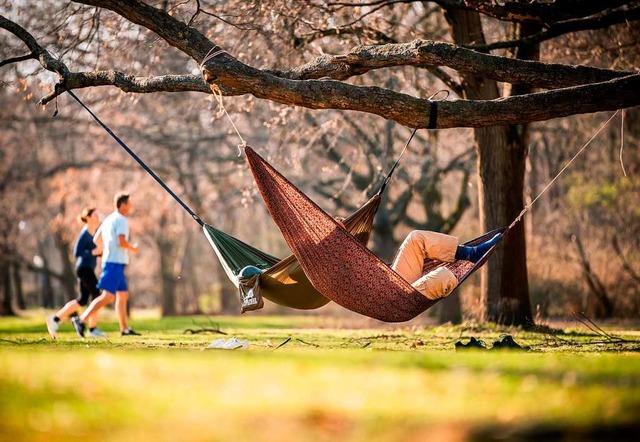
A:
[112,278]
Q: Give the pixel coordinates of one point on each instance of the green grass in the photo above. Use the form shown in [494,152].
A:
[328,382]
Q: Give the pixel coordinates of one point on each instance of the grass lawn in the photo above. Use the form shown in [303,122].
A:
[332,380]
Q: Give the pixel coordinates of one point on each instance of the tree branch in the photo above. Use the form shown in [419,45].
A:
[366,58]
[235,77]
[536,74]
[38,52]
[543,12]
[77,80]
[129,83]
[17,59]
[600,21]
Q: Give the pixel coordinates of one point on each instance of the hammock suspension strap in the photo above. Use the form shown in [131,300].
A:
[528,206]
[432,125]
[138,160]
[433,109]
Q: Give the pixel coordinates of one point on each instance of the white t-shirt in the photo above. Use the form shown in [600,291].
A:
[113,225]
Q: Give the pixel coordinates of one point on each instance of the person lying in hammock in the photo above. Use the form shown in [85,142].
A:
[422,244]
[416,247]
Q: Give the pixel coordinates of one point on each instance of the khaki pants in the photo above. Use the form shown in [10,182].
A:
[417,246]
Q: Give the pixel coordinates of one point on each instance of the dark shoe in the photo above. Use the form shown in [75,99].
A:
[476,253]
[472,344]
[507,343]
[482,249]
[129,332]
[78,325]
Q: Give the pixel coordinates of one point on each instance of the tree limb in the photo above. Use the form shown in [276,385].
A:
[130,83]
[285,87]
[426,52]
[599,21]
[17,59]
[46,60]
[364,58]
[543,12]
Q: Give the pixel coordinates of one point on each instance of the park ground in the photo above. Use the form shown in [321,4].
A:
[313,378]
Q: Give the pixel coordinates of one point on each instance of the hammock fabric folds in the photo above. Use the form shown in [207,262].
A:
[284,281]
[338,266]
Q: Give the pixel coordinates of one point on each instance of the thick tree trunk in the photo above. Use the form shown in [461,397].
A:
[168,286]
[229,301]
[17,284]
[68,272]
[383,242]
[191,283]
[501,167]
[504,281]
[451,309]
[46,287]
[6,306]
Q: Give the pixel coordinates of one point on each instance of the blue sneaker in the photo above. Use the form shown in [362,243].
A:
[96,333]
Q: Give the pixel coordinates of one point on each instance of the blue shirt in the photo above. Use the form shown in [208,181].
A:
[113,226]
[83,250]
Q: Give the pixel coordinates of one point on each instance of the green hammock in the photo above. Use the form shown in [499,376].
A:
[283,281]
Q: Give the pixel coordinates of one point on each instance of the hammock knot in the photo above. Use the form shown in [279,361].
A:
[213,53]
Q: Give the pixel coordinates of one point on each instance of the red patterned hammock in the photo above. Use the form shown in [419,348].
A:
[338,266]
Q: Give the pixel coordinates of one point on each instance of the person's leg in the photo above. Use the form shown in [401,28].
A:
[68,309]
[92,320]
[105,299]
[121,309]
[109,281]
[71,307]
[122,297]
[79,322]
[421,244]
[91,283]
[436,284]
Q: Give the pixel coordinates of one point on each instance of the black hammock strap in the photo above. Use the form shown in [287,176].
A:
[138,160]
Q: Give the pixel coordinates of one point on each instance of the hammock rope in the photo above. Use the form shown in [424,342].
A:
[582,149]
[217,93]
[240,146]
[624,172]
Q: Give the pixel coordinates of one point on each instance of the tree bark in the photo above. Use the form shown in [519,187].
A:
[167,279]
[68,277]
[17,282]
[501,167]
[6,306]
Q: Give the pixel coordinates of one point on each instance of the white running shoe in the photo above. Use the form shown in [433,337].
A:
[52,326]
[228,344]
[96,333]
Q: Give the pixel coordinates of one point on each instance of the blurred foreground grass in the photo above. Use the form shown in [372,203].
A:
[330,381]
